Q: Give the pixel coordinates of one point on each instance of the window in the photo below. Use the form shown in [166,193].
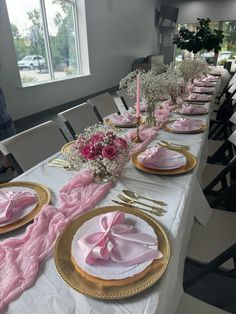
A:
[47,39]
[228,49]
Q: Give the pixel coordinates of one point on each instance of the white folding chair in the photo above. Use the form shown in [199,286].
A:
[127,100]
[28,148]
[103,105]
[78,118]
[191,305]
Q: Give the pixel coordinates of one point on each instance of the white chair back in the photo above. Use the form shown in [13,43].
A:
[34,145]
[79,118]
[128,100]
[104,104]
[232,80]
[233,118]
[232,138]
[232,88]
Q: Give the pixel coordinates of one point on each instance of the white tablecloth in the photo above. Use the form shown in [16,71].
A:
[50,294]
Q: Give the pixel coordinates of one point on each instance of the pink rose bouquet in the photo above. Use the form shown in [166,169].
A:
[101,150]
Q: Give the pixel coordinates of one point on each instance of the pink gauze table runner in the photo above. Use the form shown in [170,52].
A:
[20,258]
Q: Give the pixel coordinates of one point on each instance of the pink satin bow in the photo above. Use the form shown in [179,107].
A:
[118,242]
[13,202]
[185,124]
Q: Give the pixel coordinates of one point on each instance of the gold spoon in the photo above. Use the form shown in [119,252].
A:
[135,195]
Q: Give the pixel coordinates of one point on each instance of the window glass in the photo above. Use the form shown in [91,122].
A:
[46,38]
[62,31]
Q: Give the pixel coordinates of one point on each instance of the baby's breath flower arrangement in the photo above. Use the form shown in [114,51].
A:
[193,69]
[151,91]
[171,81]
[99,148]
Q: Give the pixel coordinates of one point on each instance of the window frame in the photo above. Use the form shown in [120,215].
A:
[81,44]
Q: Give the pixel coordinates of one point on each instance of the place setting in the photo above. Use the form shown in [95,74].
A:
[125,120]
[92,257]
[165,159]
[184,126]
[198,98]
[20,202]
[203,90]
[191,110]
[199,83]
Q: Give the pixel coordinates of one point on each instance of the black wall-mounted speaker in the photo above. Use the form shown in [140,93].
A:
[169,13]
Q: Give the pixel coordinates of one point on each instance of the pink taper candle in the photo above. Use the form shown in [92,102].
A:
[138,97]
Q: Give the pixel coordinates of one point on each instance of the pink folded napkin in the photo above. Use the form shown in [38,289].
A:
[192,109]
[159,157]
[186,125]
[201,97]
[11,203]
[123,119]
[209,78]
[118,242]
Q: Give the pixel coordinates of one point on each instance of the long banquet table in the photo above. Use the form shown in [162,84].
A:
[182,193]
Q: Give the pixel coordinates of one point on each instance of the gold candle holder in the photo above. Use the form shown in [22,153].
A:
[138,139]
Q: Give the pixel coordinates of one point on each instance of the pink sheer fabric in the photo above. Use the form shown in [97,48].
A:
[145,134]
[118,242]
[20,258]
[12,203]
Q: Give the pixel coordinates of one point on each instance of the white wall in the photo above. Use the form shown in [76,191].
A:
[216,10]
[119,31]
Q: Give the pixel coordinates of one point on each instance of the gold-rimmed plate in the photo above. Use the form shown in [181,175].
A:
[177,110]
[66,148]
[166,127]
[124,126]
[44,197]
[210,84]
[191,162]
[198,101]
[68,272]
[206,92]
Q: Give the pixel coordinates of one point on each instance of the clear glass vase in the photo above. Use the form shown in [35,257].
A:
[150,117]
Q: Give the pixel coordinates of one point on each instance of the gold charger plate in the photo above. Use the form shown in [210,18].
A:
[190,114]
[127,126]
[66,269]
[44,197]
[66,148]
[206,92]
[167,128]
[191,162]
